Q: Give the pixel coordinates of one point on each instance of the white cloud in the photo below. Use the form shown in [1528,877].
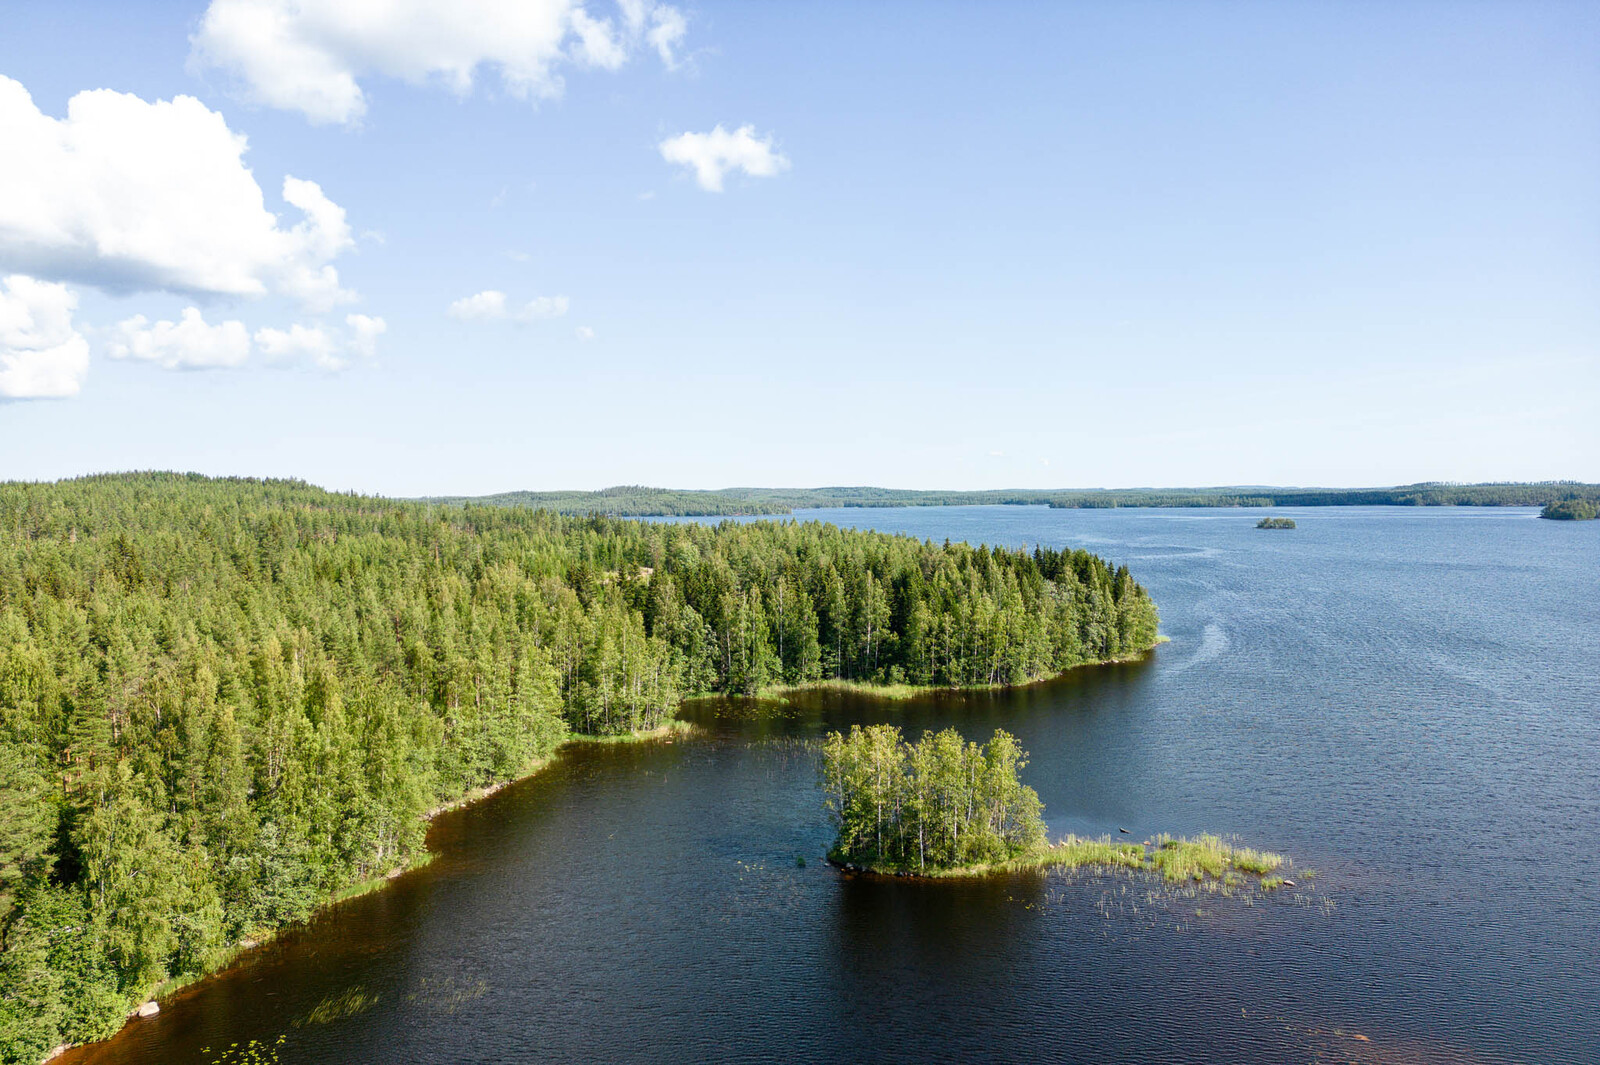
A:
[584,333]
[542,307]
[364,333]
[302,342]
[484,305]
[713,155]
[41,355]
[189,344]
[327,349]
[312,55]
[129,195]
[490,305]
[663,27]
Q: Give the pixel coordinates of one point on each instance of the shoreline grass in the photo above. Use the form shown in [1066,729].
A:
[1202,860]
[671,728]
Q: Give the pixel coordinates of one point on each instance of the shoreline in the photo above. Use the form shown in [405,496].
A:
[890,693]
[150,1003]
[237,951]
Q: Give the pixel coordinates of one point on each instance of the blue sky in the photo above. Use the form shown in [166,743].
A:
[1052,245]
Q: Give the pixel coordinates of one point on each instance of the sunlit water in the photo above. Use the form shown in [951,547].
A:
[1407,701]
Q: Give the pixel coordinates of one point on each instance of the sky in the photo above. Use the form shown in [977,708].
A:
[411,247]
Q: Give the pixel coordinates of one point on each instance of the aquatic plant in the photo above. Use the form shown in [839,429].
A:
[347,1003]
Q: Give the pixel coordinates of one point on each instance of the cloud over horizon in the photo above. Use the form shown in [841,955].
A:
[42,355]
[324,347]
[188,344]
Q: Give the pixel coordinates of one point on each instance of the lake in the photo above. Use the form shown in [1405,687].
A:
[1405,700]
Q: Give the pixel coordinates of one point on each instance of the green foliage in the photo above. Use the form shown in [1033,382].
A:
[941,803]
[1571,510]
[224,701]
[1275,523]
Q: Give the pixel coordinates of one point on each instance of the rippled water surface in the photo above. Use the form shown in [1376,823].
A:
[1407,701]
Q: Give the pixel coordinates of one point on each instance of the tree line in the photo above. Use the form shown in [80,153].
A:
[627,501]
[634,500]
[223,700]
[940,803]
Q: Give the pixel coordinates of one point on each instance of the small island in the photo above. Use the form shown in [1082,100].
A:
[1275,523]
[1571,510]
[944,806]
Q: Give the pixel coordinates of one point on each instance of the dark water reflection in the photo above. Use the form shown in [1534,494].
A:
[1406,700]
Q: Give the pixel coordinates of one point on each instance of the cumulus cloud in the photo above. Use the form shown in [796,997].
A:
[311,56]
[325,348]
[42,356]
[129,195]
[189,344]
[584,333]
[364,334]
[302,342]
[713,155]
[491,305]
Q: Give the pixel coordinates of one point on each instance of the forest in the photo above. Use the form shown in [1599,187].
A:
[636,501]
[222,701]
[1571,510]
[940,803]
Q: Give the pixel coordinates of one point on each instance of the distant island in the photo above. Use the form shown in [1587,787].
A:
[944,806]
[638,501]
[1275,523]
[1571,510]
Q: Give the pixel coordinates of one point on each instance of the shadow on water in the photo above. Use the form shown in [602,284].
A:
[809,712]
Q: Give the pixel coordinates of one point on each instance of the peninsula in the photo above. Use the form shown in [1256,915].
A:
[1571,510]
[225,702]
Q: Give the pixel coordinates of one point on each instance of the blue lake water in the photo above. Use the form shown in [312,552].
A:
[1405,700]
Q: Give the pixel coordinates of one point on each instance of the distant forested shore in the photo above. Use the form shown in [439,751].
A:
[222,701]
[638,501]
[1571,510]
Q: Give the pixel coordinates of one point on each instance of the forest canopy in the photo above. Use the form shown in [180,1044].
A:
[1571,510]
[940,803]
[223,700]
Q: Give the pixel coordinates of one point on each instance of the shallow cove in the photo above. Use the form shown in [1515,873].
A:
[1390,689]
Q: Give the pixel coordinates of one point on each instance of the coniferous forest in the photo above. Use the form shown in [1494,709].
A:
[222,701]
